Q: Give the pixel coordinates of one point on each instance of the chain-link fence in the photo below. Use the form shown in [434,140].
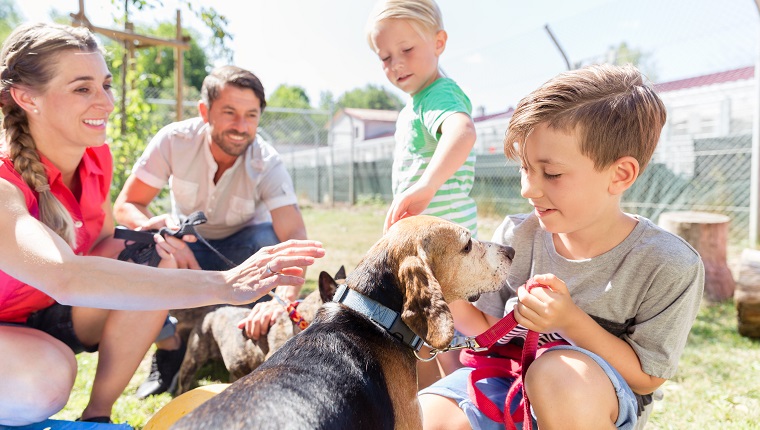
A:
[703,161]
[694,168]
[687,173]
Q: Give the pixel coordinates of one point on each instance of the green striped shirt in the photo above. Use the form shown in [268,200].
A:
[417,133]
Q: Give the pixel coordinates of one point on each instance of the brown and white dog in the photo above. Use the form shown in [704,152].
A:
[216,337]
[353,367]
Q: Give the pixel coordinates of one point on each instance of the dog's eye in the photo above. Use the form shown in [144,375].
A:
[468,247]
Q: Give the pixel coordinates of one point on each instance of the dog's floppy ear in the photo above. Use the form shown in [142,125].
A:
[425,311]
[327,287]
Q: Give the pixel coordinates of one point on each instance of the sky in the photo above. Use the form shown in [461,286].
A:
[497,51]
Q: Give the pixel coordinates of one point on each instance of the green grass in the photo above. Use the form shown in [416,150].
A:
[717,385]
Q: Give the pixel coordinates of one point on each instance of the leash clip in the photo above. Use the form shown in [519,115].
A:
[468,343]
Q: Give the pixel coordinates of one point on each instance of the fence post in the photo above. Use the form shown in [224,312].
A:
[754,197]
[351,199]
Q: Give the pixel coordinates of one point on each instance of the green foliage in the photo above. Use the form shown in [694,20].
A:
[218,25]
[150,73]
[10,18]
[132,127]
[369,97]
[215,22]
[287,96]
[624,54]
[284,121]
[158,62]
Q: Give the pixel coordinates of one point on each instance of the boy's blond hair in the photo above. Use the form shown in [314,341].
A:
[424,16]
[610,109]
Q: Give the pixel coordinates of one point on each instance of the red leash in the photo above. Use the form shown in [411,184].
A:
[292,312]
[508,362]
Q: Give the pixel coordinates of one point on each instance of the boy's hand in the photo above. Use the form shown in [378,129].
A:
[411,202]
[262,316]
[546,310]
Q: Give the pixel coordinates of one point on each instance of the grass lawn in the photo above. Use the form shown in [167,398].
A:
[717,385]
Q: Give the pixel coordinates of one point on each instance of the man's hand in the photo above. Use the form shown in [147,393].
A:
[182,254]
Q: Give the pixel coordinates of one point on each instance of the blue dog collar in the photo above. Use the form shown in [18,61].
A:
[387,318]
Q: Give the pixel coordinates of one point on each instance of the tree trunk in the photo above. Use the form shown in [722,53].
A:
[708,234]
[747,296]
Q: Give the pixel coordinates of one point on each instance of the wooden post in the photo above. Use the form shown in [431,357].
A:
[747,295]
[708,234]
[179,70]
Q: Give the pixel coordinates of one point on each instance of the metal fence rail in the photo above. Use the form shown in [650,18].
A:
[705,174]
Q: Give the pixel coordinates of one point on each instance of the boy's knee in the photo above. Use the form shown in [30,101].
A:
[570,384]
[440,412]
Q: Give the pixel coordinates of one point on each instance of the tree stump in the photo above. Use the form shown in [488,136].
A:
[747,295]
[708,234]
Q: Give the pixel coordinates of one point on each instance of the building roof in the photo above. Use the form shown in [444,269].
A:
[372,114]
[713,78]
[506,114]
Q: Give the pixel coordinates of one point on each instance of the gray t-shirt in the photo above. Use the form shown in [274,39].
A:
[646,290]
[257,182]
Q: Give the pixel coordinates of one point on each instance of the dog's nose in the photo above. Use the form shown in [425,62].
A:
[509,251]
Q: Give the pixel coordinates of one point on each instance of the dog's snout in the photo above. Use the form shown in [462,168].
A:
[508,251]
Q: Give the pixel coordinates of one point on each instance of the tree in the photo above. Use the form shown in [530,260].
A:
[623,54]
[215,22]
[135,121]
[158,62]
[285,120]
[9,18]
[369,97]
[288,96]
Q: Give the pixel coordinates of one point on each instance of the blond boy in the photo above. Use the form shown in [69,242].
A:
[434,161]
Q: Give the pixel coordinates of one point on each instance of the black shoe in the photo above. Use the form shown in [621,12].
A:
[104,420]
[164,370]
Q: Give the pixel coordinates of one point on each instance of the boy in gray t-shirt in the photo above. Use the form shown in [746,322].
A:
[623,292]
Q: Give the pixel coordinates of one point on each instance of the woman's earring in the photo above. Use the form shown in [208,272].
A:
[36,111]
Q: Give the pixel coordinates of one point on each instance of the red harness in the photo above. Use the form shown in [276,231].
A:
[504,361]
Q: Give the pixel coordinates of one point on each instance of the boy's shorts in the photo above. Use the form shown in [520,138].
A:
[454,386]
[56,321]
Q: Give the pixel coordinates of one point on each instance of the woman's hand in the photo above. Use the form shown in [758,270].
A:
[271,267]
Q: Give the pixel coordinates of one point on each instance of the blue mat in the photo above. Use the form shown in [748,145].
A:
[68,425]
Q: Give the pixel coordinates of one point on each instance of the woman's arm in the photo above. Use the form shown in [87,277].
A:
[32,253]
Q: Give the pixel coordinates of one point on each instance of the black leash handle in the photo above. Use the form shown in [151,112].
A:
[142,248]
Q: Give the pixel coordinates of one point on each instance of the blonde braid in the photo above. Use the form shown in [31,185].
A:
[26,161]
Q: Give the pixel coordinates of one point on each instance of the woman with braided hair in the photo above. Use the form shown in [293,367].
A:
[61,289]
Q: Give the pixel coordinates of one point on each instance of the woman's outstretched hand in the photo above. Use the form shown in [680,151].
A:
[270,267]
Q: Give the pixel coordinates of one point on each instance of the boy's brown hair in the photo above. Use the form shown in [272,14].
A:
[610,109]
